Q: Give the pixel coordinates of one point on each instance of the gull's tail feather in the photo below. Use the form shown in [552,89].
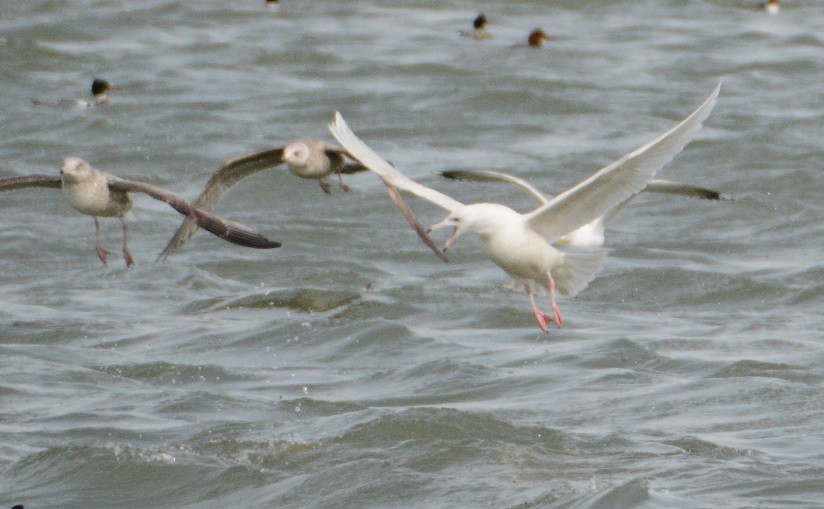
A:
[577,270]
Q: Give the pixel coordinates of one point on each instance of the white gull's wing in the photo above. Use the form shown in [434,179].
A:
[495,176]
[386,171]
[618,181]
[592,234]
[393,179]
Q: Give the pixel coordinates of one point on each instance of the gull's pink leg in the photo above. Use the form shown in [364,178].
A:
[555,309]
[102,252]
[126,254]
[542,318]
[324,186]
[342,184]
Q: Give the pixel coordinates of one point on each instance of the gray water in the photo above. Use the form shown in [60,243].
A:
[351,368]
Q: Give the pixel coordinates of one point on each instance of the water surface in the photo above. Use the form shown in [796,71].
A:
[350,368]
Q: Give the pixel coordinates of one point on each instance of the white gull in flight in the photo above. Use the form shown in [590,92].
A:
[521,244]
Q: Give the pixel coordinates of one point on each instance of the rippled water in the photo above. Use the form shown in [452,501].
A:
[351,368]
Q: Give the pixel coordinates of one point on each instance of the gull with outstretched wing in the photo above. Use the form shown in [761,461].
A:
[308,158]
[522,244]
[101,194]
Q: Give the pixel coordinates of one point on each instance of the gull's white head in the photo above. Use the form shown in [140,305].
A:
[76,170]
[483,219]
[296,154]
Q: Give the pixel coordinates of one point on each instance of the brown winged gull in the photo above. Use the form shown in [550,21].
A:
[100,194]
[591,234]
[521,244]
[307,158]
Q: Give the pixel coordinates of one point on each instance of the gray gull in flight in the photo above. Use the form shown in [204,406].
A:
[307,158]
[100,194]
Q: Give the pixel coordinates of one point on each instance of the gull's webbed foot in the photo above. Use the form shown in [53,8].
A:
[543,319]
[325,187]
[102,253]
[128,257]
[342,183]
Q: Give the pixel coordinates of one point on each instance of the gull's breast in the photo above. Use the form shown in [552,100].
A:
[318,167]
[310,172]
[95,199]
[522,253]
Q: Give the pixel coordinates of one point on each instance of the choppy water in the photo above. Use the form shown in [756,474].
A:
[350,368]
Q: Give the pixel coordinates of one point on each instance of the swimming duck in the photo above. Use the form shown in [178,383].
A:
[771,6]
[537,37]
[479,24]
[98,97]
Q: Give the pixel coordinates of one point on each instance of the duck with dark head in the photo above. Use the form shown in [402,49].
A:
[478,28]
[770,6]
[537,37]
